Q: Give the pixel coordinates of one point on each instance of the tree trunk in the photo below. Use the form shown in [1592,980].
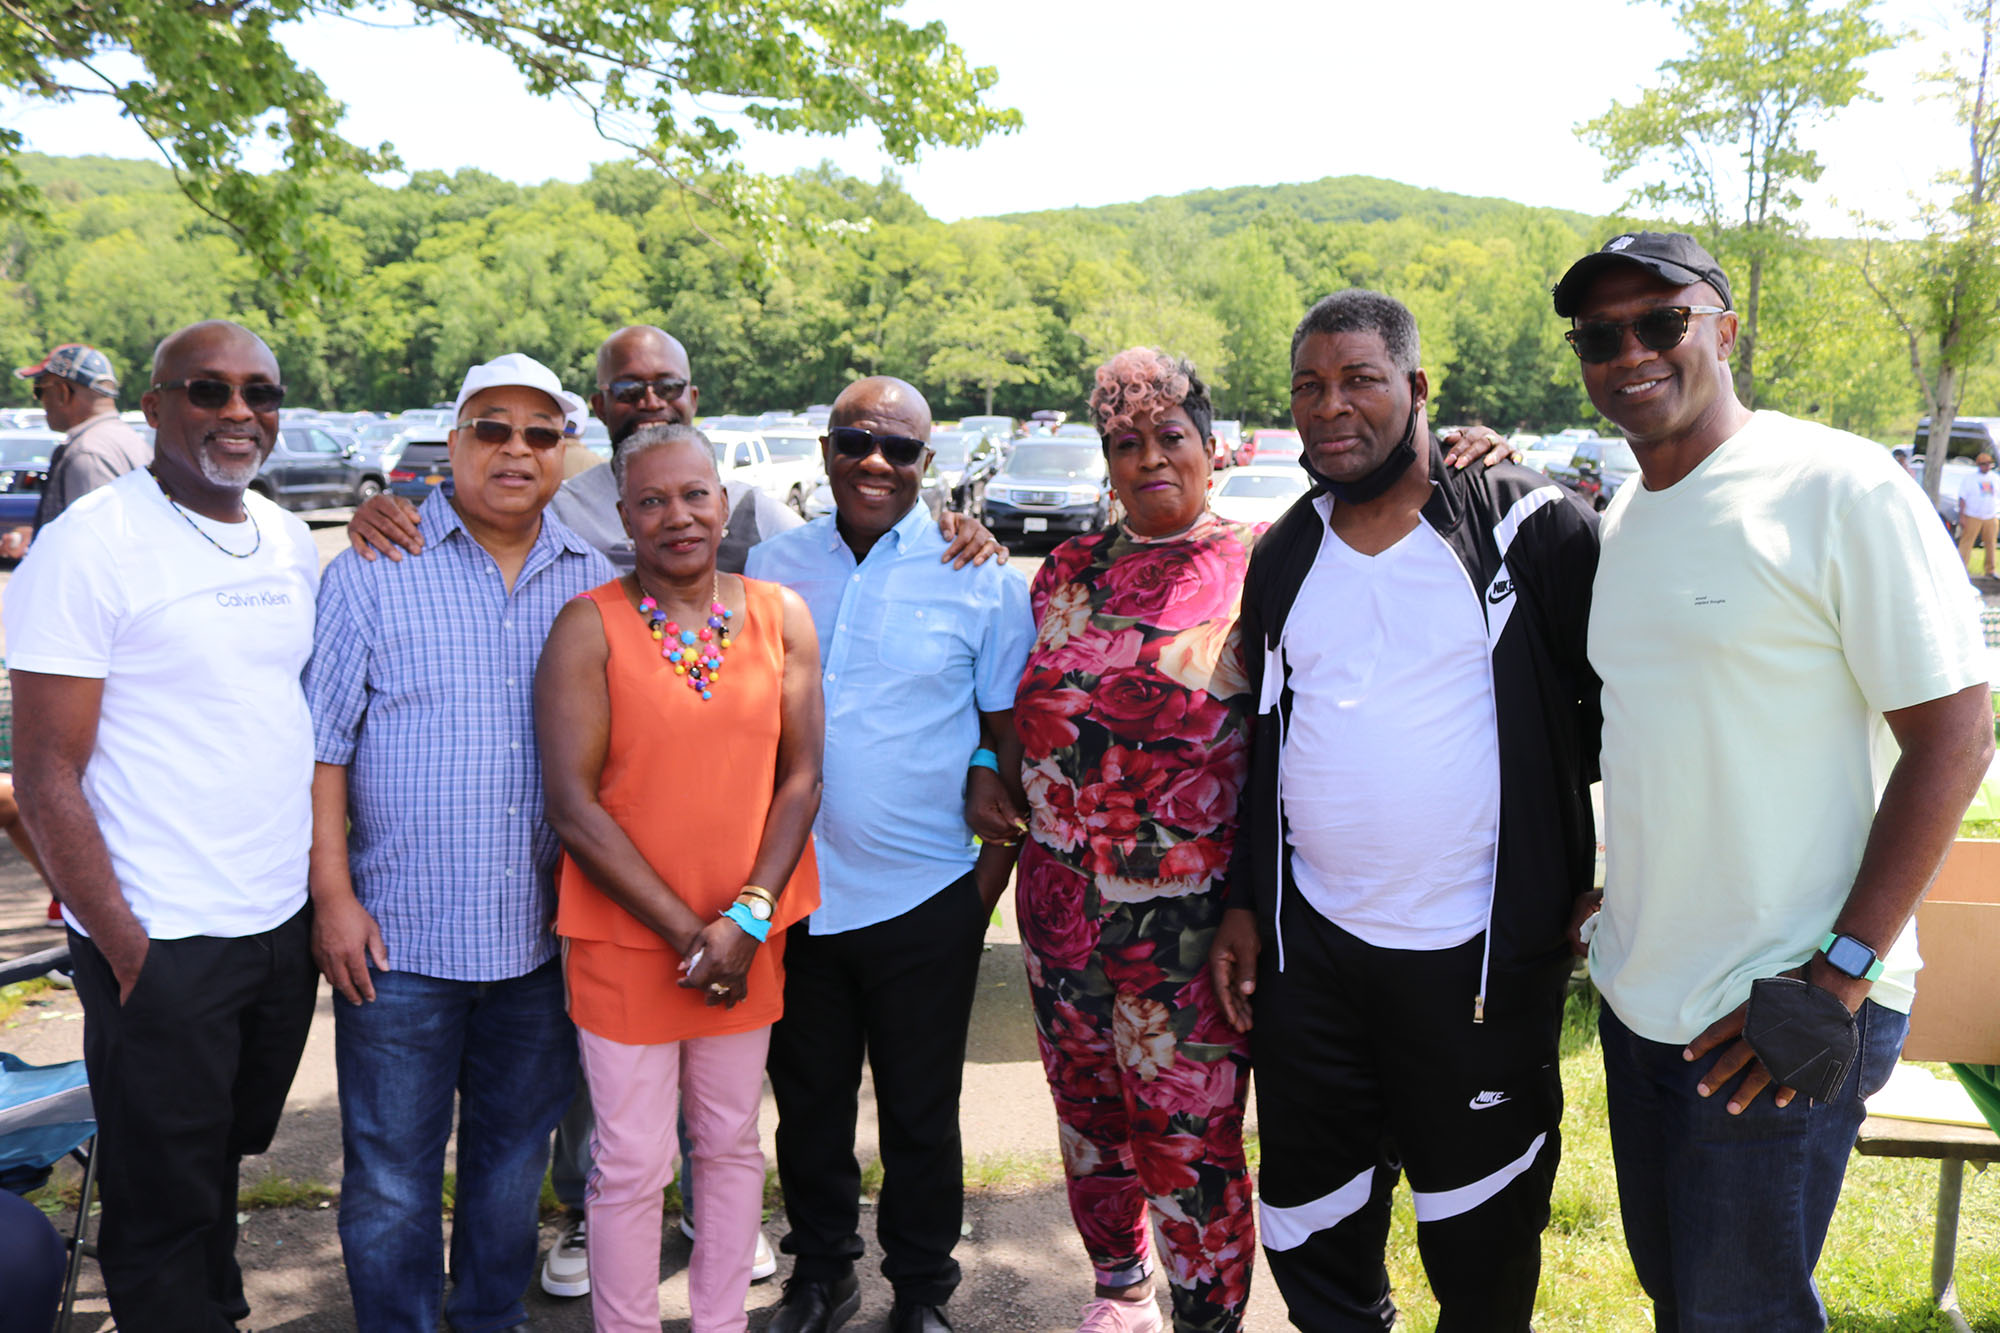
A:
[989,400]
[1943,395]
[1746,337]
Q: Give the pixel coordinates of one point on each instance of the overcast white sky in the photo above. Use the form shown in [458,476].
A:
[1126,101]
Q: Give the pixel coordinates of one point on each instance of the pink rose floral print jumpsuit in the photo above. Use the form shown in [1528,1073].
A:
[1134,738]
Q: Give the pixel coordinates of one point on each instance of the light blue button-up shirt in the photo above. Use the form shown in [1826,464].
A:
[911,652]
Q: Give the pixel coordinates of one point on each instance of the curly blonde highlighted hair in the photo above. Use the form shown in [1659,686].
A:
[1146,383]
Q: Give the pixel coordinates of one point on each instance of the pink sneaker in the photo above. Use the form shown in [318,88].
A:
[1105,1315]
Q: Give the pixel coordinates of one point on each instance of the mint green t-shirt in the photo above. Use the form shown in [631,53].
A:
[1751,624]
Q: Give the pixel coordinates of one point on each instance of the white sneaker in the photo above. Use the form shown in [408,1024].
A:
[763,1263]
[566,1272]
[1114,1316]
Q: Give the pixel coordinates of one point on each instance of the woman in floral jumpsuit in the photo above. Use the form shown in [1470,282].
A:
[1134,755]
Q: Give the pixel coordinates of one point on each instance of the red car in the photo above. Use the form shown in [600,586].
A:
[1274,446]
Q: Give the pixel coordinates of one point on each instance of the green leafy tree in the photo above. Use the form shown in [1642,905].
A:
[1259,304]
[1943,290]
[215,75]
[1724,132]
[987,347]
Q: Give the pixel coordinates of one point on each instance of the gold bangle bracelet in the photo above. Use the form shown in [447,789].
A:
[758,891]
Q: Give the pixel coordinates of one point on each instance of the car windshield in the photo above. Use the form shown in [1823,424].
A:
[951,447]
[1282,443]
[24,453]
[1618,454]
[1263,486]
[381,432]
[791,446]
[1055,460]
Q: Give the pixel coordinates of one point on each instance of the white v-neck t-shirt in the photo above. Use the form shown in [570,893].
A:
[1390,773]
[202,776]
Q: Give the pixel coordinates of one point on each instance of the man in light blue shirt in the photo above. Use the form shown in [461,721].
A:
[919,662]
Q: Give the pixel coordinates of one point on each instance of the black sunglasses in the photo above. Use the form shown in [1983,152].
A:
[212,395]
[42,387]
[854,442]
[629,389]
[1659,329]
[496,433]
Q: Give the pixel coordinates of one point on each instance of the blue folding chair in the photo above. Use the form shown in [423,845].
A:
[45,1116]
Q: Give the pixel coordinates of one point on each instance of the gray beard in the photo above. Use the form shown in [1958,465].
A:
[227,476]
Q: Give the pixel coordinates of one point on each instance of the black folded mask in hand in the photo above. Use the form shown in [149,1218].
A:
[1804,1035]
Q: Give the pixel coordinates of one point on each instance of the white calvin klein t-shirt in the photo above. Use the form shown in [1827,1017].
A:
[1390,774]
[202,776]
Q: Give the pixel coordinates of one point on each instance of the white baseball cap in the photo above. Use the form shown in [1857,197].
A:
[518,368]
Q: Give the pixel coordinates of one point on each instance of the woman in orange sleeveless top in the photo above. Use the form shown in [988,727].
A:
[680,720]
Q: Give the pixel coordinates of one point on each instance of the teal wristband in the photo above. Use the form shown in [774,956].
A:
[986,759]
[755,929]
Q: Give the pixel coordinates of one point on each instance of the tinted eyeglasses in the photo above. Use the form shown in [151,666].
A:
[1659,329]
[213,395]
[629,389]
[493,434]
[854,442]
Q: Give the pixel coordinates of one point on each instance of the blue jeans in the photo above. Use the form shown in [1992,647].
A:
[1725,1215]
[508,1050]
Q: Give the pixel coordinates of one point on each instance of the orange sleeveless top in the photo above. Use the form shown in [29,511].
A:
[691,783]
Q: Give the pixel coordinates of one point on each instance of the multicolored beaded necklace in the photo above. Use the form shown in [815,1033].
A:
[696,654]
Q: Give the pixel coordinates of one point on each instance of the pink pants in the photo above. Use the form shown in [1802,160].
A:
[719,1082]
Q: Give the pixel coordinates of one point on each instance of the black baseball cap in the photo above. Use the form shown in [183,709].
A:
[1673,255]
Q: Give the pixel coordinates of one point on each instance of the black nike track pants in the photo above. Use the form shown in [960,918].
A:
[1369,1065]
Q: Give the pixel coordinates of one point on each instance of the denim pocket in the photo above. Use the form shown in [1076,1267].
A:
[1882,1034]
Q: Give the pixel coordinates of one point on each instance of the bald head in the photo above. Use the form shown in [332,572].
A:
[636,340]
[184,351]
[643,379]
[209,441]
[885,398]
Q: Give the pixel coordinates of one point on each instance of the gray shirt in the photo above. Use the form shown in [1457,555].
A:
[99,451]
[588,505]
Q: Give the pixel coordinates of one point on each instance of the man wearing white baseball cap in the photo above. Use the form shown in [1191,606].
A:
[432,868]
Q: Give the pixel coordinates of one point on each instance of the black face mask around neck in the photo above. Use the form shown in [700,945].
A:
[1386,474]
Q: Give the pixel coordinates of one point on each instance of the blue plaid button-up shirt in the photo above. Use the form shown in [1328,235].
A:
[422,685]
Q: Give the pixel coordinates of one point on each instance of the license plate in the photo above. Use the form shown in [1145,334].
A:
[1034,525]
[434,479]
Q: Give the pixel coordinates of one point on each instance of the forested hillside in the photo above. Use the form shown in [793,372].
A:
[448,270]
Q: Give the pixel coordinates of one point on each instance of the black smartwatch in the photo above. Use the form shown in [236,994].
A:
[1849,955]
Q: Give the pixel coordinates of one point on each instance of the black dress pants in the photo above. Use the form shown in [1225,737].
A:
[899,993]
[188,1077]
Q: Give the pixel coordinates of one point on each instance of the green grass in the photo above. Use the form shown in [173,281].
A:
[14,997]
[272,1190]
[1874,1274]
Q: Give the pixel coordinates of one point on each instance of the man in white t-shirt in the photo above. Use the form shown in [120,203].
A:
[1795,717]
[164,759]
[1978,512]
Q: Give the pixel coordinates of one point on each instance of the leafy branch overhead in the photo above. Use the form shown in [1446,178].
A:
[1723,137]
[213,77]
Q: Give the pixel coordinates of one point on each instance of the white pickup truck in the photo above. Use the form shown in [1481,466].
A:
[744,455]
